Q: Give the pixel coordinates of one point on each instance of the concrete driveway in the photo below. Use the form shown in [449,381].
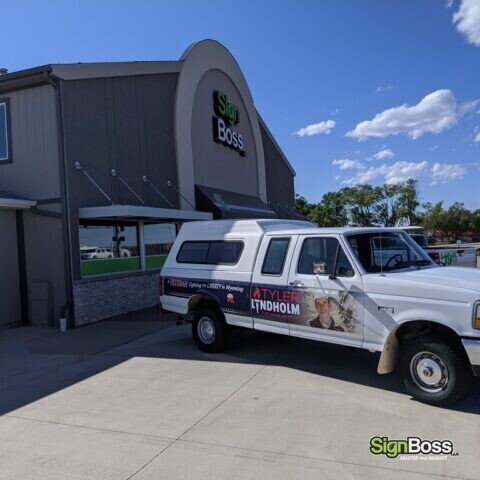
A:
[135,399]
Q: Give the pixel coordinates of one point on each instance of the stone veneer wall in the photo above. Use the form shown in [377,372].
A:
[99,299]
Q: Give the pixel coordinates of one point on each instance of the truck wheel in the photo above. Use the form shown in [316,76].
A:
[209,329]
[435,371]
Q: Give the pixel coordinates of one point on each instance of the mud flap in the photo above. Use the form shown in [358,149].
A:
[389,355]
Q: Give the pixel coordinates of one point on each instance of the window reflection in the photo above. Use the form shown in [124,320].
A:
[158,238]
[108,248]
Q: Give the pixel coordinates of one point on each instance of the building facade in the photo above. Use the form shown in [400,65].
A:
[101,163]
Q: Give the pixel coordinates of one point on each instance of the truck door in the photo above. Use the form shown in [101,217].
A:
[272,301]
[330,292]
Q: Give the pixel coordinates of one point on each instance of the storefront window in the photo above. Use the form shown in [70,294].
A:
[108,248]
[158,240]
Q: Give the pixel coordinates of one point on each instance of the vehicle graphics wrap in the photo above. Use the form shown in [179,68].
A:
[315,307]
[232,297]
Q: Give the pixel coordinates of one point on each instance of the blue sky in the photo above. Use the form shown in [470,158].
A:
[308,64]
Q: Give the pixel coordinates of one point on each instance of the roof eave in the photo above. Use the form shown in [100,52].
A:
[25,79]
[16,203]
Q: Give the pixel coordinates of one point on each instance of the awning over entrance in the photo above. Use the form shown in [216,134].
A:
[226,204]
[136,212]
[13,201]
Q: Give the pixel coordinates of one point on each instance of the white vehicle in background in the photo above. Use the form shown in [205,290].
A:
[94,253]
[370,288]
[457,256]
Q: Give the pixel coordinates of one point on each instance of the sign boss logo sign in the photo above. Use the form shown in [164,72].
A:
[228,116]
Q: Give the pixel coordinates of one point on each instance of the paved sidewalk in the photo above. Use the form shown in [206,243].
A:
[135,399]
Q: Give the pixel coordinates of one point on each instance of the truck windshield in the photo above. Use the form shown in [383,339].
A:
[387,251]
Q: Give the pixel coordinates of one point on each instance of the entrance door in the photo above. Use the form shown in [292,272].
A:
[9,280]
[330,289]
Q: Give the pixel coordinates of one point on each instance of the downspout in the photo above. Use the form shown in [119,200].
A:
[67,311]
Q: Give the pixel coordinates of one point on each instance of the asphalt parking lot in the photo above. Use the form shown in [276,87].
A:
[135,399]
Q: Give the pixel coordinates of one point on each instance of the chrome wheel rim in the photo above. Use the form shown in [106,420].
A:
[429,372]
[206,330]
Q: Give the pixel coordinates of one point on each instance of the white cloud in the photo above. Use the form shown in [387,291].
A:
[434,113]
[346,164]
[324,127]
[476,137]
[467,107]
[397,173]
[384,88]
[445,172]
[448,3]
[383,154]
[403,171]
[467,20]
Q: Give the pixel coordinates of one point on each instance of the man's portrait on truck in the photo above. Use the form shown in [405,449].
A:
[324,320]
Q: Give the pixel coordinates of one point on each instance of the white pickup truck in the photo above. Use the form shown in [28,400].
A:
[333,285]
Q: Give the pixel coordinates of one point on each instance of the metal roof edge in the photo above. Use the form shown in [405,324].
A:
[81,71]
[275,143]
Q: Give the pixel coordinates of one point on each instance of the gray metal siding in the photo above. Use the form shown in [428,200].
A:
[45,268]
[280,180]
[126,124]
[35,174]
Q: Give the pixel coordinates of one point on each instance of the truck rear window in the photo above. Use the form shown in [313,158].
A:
[210,253]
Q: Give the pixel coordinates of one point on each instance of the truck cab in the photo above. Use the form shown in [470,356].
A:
[371,288]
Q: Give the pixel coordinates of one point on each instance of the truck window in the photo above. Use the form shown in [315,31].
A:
[323,256]
[344,267]
[224,253]
[389,251]
[275,257]
[210,253]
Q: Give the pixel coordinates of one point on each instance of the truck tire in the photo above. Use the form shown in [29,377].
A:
[209,329]
[435,371]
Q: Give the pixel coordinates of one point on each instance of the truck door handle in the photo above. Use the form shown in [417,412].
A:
[297,283]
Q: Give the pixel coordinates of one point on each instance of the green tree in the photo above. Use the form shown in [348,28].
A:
[408,202]
[387,206]
[361,201]
[331,211]
[302,205]
[475,223]
[455,221]
[431,216]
